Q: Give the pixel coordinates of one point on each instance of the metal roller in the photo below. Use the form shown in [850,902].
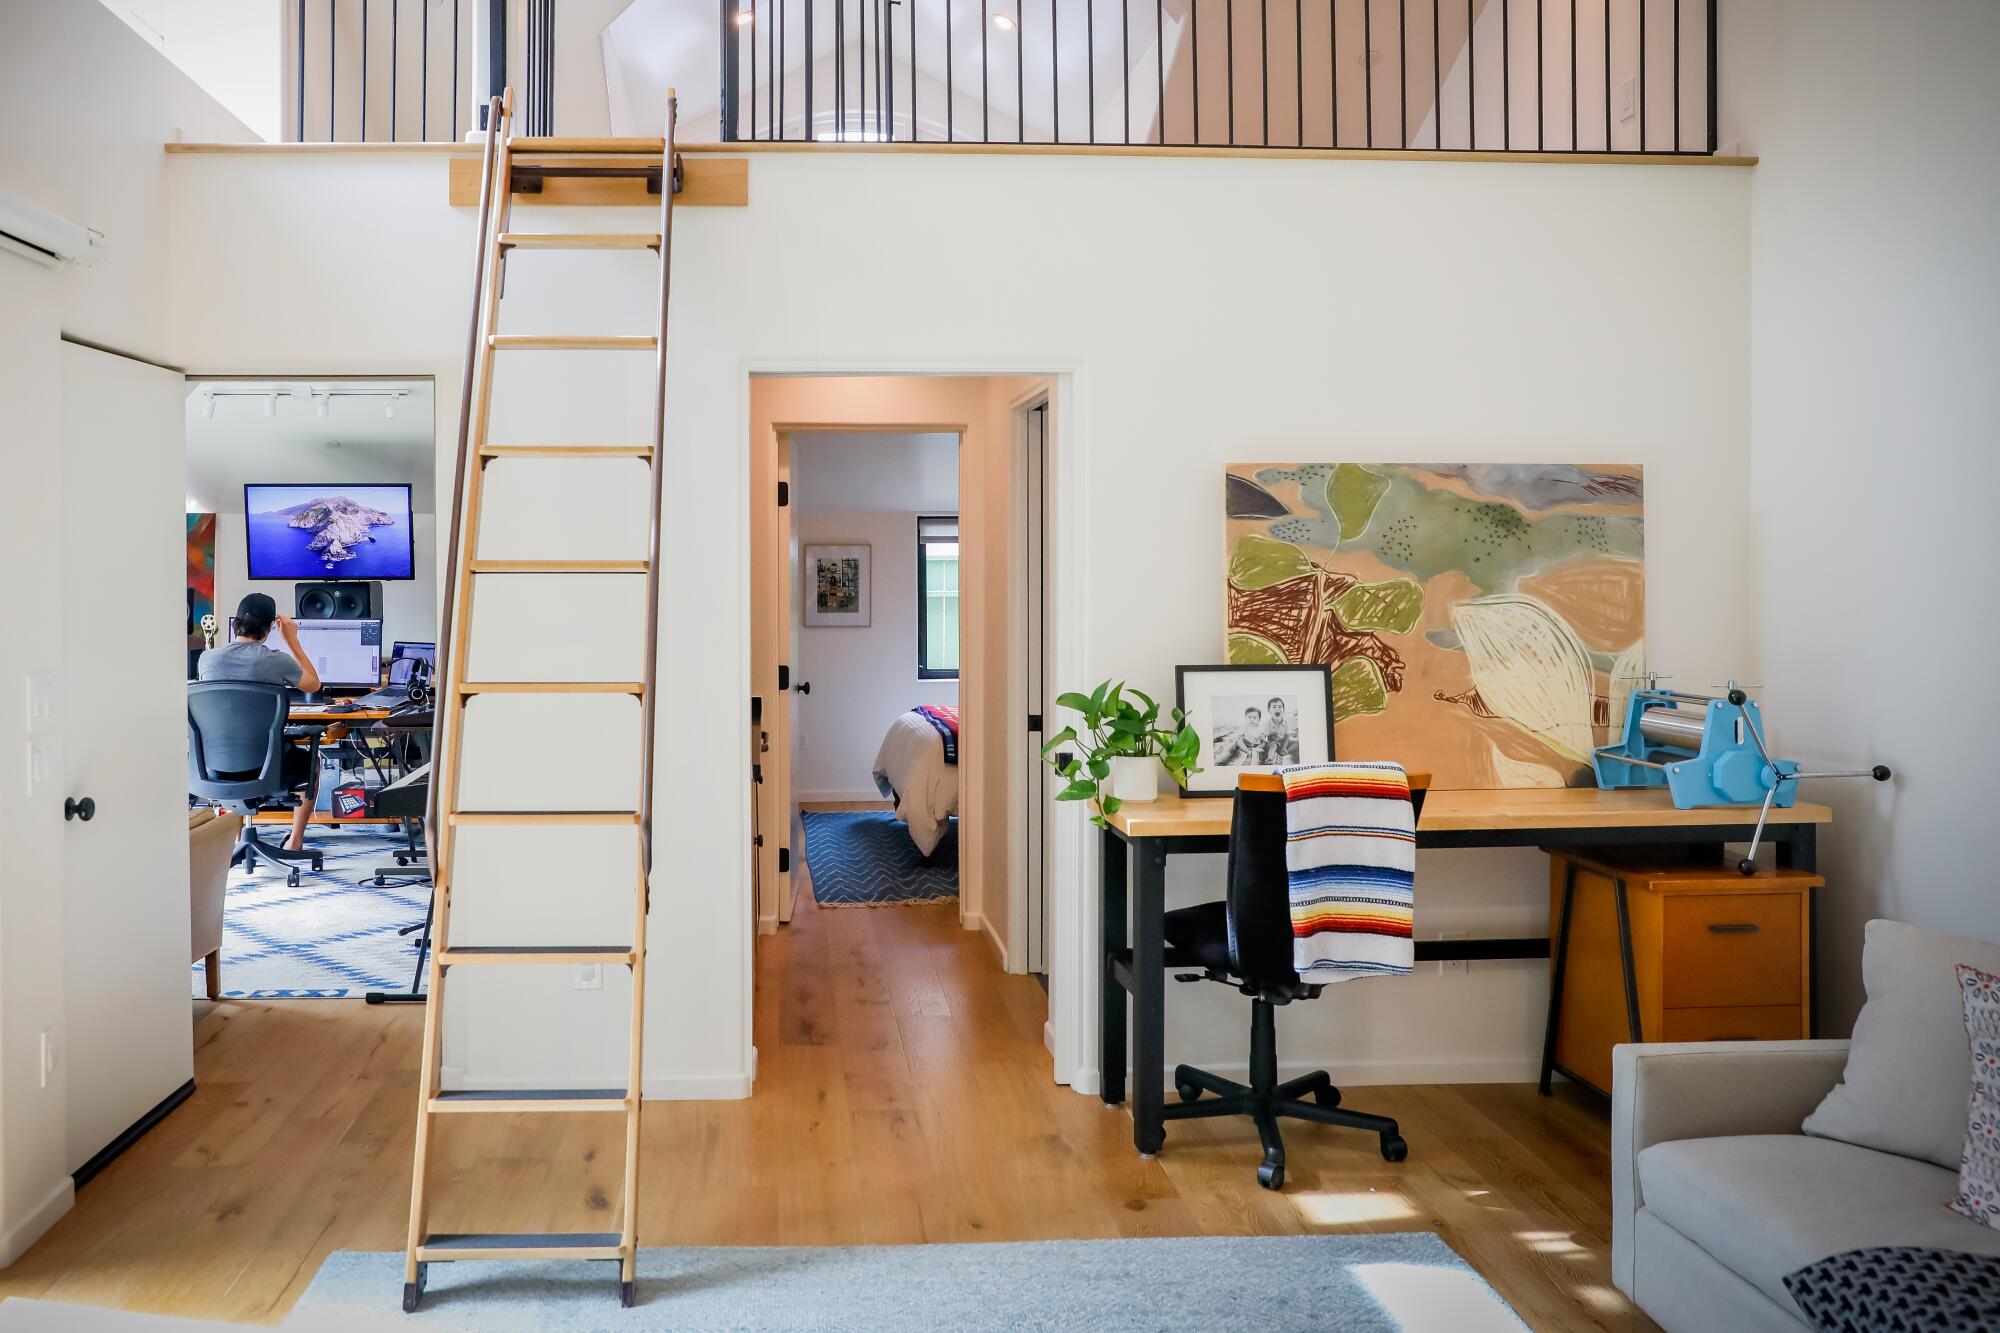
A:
[1680,727]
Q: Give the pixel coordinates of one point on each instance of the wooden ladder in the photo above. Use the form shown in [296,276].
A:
[501,178]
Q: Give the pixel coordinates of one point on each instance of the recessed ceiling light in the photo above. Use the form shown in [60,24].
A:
[744,18]
[1003,22]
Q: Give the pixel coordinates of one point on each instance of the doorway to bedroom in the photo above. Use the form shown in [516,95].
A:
[876,724]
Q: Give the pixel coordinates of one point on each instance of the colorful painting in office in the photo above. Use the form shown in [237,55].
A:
[1484,621]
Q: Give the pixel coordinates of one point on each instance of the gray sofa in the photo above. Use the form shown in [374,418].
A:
[1716,1194]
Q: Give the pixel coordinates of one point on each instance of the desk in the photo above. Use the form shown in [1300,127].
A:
[1142,836]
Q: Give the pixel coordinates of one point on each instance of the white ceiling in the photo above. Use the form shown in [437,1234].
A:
[354,444]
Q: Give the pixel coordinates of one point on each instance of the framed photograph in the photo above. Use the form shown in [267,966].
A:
[1255,719]
[836,586]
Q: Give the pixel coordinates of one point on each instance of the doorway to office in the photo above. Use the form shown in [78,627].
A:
[924,568]
[317,493]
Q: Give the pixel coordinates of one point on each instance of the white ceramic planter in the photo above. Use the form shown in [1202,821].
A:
[1133,779]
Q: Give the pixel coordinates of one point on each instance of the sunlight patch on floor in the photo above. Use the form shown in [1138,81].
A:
[1421,1297]
[1346,1209]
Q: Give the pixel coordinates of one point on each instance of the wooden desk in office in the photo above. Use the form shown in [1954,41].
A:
[1141,837]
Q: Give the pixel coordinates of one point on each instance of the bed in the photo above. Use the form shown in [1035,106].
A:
[917,768]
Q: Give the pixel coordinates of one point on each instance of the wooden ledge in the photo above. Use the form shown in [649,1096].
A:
[651,147]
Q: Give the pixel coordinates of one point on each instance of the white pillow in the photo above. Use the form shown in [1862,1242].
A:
[1907,1081]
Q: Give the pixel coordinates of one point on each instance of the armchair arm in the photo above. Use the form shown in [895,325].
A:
[1662,1091]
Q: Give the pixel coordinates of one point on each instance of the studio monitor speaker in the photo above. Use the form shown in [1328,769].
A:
[356,600]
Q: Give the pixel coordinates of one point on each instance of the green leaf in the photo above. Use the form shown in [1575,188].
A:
[1070,770]
[1072,700]
[1099,769]
[1097,698]
[1358,689]
[1111,805]
[1253,650]
[1061,738]
[1394,607]
[1259,562]
[1353,492]
[1079,790]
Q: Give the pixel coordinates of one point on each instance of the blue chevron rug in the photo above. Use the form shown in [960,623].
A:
[334,936]
[864,858]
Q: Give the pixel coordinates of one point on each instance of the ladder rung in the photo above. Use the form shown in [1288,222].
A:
[478,817]
[551,687]
[581,240]
[566,451]
[558,566]
[519,1101]
[559,1245]
[570,342]
[582,954]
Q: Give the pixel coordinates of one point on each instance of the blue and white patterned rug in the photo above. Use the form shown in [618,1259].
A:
[331,937]
[864,858]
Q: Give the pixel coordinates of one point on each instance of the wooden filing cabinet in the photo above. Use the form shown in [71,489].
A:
[1694,952]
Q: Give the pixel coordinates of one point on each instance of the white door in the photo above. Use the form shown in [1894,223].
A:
[1041,700]
[125,880]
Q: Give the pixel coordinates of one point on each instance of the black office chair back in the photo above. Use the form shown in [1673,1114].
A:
[1259,898]
[236,741]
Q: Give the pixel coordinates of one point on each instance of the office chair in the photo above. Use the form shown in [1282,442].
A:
[236,759]
[1246,942]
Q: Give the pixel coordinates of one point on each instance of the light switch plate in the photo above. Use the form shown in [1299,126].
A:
[44,700]
[41,766]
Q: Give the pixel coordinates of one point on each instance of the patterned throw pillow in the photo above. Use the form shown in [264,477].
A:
[1979,1167]
[1899,1289]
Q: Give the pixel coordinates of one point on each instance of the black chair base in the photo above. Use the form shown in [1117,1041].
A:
[1264,1100]
[250,846]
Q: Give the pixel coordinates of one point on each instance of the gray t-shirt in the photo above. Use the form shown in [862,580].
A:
[249,661]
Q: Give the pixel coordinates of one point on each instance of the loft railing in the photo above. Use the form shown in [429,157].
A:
[1563,76]
[380,71]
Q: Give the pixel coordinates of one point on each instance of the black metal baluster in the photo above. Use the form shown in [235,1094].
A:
[1542,83]
[1471,81]
[840,71]
[301,89]
[1368,68]
[783,8]
[1055,74]
[1607,75]
[364,71]
[1506,79]
[1437,84]
[456,30]
[1125,61]
[1299,66]
[1160,60]
[424,82]
[1020,77]
[332,65]
[1333,72]
[1677,75]
[1642,75]
[395,52]
[1402,73]
[1229,80]
[1574,81]
[888,31]
[1264,78]
[950,96]
[811,60]
[985,86]
[1714,130]
[753,67]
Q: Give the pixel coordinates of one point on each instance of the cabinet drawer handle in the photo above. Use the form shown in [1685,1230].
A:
[1733,927]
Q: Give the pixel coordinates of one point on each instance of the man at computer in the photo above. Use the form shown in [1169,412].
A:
[249,657]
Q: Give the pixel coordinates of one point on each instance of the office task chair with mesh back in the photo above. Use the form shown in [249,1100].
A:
[236,759]
[1246,942]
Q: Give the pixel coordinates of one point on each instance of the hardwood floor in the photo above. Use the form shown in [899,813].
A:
[902,1097]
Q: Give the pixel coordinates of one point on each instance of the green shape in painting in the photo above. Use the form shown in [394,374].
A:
[1352,492]
[1260,562]
[1358,689]
[1372,608]
[1253,650]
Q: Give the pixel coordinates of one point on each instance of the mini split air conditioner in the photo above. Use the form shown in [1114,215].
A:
[37,234]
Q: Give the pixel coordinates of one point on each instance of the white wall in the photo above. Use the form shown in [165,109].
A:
[1874,450]
[86,105]
[234,49]
[851,489]
[1595,313]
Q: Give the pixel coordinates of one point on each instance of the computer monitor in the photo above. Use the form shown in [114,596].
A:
[345,653]
[410,648]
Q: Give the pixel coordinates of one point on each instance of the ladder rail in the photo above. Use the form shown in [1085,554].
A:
[495,204]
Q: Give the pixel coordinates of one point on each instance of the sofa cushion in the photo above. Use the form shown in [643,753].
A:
[1907,1078]
[1979,1170]
[1900,1289]
[1769,1204]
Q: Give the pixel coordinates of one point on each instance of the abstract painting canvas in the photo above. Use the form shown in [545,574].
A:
[1484,621]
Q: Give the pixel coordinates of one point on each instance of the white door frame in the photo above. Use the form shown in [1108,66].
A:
[1072,916]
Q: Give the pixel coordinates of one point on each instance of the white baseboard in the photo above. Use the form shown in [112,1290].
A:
[15,1240]
[655,1088]
[985,926]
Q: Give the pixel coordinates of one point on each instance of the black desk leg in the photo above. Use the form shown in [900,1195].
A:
[1625,963]
[1111,995]
[1559,964]
[1799,850]
[1149,999]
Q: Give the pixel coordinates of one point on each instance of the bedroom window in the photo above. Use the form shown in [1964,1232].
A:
[937,598]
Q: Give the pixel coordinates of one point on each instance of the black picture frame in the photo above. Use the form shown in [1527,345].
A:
[1319,671]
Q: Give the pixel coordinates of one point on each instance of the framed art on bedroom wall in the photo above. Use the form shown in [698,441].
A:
[1255,719]
[836,586]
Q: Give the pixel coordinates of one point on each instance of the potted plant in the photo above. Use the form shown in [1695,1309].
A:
[1114,754]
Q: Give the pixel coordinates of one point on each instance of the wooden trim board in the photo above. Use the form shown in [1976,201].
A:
[706,182]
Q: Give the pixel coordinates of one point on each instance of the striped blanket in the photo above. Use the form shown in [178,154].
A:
[1351,857]
[944,720]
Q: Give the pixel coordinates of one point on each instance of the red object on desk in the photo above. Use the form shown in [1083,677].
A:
[350,801]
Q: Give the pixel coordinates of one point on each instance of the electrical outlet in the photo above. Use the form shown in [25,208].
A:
[1628,105]
[52,1052]
[590,976]
[1451,967]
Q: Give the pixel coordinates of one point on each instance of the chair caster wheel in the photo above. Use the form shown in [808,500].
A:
[628,1294]
[292,879]
[1187,1092]
[1271,1175]
[1393,1148]
[380,882]
[1328,1096]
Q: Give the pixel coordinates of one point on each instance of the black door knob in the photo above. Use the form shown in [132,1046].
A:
[85,809]
[804,687]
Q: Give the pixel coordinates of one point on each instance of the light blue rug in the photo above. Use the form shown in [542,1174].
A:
[864,858]
[332,937]
[1259,1284]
